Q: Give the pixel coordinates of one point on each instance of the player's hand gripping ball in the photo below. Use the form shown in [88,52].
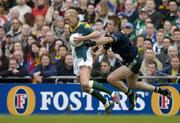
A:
[71,39]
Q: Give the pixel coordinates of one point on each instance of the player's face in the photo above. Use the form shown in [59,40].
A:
[71,20]
[111,26]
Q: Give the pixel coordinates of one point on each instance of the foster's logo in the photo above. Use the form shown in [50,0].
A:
[21,100]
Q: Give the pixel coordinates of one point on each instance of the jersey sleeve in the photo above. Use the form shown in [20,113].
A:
[118,36]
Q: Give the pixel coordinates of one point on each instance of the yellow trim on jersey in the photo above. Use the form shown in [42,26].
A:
[74,29]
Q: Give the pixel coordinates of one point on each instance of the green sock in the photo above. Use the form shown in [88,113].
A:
[100,87]
[96,94]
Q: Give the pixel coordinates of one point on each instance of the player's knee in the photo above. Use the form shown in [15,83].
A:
[110,79]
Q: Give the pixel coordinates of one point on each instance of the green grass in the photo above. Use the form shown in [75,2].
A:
[88,119]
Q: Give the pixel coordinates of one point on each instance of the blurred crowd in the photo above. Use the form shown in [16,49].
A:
[34,38]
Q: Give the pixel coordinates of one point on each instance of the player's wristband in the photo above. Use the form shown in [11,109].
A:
[90,43]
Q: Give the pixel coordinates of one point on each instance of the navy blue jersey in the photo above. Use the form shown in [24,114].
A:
[123,46]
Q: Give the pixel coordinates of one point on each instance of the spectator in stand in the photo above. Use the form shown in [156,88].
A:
[153,14]
[150,32]
[42,51]
[32,57]
[30,39]
[59,59]
[2,34]
[130,11]
[102,10]
[83,5]
[151,71]
[172,14]
[17,46]
[139,24]
[19,56]
[113,60]
[14,69]
[65,36]
[99,25]
[164,8]
[140,44]
[23,36]
[42,33]
[141,4]
[177,22]
[44,69]
[172,70]
[7,45]
[57,54]
[167,28]
[149,55]
[90,15]
[49,42]
[37,28]
[7,4]
[58,26]
[12,15]
[15,29]
[158,45]
[172,52]
[128,30]
[176,39]
[67,69]
[3,61]
[57,6]
[22,8]
[147,44]
[29,19]
[40,8]
[3,16]
[163,56]
[103,72]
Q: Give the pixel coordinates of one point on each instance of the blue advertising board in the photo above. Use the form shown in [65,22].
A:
[26,99]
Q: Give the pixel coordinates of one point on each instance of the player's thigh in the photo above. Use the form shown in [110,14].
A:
[121,73]
[84,75]
[132,79]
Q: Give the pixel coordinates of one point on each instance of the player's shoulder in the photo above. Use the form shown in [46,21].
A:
[85,25]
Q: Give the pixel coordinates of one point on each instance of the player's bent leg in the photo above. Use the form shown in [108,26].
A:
[132,83]
[117,75]
[95,85]
[84,80]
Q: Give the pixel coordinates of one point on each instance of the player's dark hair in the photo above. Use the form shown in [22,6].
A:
[116,20]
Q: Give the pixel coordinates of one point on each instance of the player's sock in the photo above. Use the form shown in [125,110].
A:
[129,92]
[162,91]
[98,95]
[100,87]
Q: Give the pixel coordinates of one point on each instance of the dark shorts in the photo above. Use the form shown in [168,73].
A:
[135,65]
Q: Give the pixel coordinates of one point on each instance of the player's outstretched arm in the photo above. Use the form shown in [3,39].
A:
[93,35]
[104,40]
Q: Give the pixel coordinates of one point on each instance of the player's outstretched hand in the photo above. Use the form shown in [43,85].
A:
[90,43]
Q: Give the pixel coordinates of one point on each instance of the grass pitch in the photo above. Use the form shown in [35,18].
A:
[88,119]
